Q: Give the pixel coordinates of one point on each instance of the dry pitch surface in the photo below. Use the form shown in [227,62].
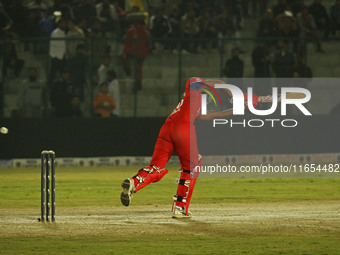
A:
[231,218]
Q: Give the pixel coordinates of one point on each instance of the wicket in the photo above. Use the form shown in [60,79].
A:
[47,185]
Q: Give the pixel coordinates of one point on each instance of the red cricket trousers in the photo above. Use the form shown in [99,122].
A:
[179,136]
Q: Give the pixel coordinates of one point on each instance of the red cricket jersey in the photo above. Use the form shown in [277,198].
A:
[178,133]
[189,107]
[142,45]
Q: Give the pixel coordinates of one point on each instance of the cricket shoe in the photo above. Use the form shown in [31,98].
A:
[128,189]
[178,213]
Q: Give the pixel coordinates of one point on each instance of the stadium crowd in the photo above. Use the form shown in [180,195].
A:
[162,24]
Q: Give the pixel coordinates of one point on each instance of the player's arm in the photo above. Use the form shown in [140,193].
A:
[223,114]
[226,91]
[216,115]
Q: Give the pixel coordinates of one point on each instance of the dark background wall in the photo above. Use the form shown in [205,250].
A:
[79,137]
[137,137]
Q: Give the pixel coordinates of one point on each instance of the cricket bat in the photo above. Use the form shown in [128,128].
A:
[269,98]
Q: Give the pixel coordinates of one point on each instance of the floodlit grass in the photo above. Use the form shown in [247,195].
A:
[20,187]
[100,186]
[192,244]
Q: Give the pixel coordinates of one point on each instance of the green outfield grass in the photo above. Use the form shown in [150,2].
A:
[100,186]
[214,244]
[20,187]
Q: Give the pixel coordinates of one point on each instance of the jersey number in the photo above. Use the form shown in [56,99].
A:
[178,107]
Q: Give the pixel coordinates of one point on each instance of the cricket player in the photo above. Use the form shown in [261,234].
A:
[177,134]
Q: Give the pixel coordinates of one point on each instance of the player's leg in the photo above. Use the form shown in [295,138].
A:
[186,148]
[185,188]
[144,177]
[147,175]
[152,173]
[161,155]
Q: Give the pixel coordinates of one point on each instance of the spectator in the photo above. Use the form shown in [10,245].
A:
[37,10]
[244,4]
[107,14]
[234,66]
[77,66]
[31,96]
[63,7]
[120,9]
[114,91]
[98,43]
[190,29]
[174,19]
[85,10]
[95,85]
[46,26]
[298,7]
[335,16]
[137,31]
[57,50]
[268,26]
[237,9]
[208,31]
[103,69]
[308,29]
[5,21]
[159,27]
[103,103]
[75,110]
[83,26]
[259,7]
[283,63]
[321,18]
[226,28]
[133,9]
[74,37]
[288,27]
[61,95]
[287,24]
[280,7]
[258,4]
[263,7]
[12,64]
[154,5]
[19,14]
[133,5]
[261,60]
[254,6]
[301,70]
